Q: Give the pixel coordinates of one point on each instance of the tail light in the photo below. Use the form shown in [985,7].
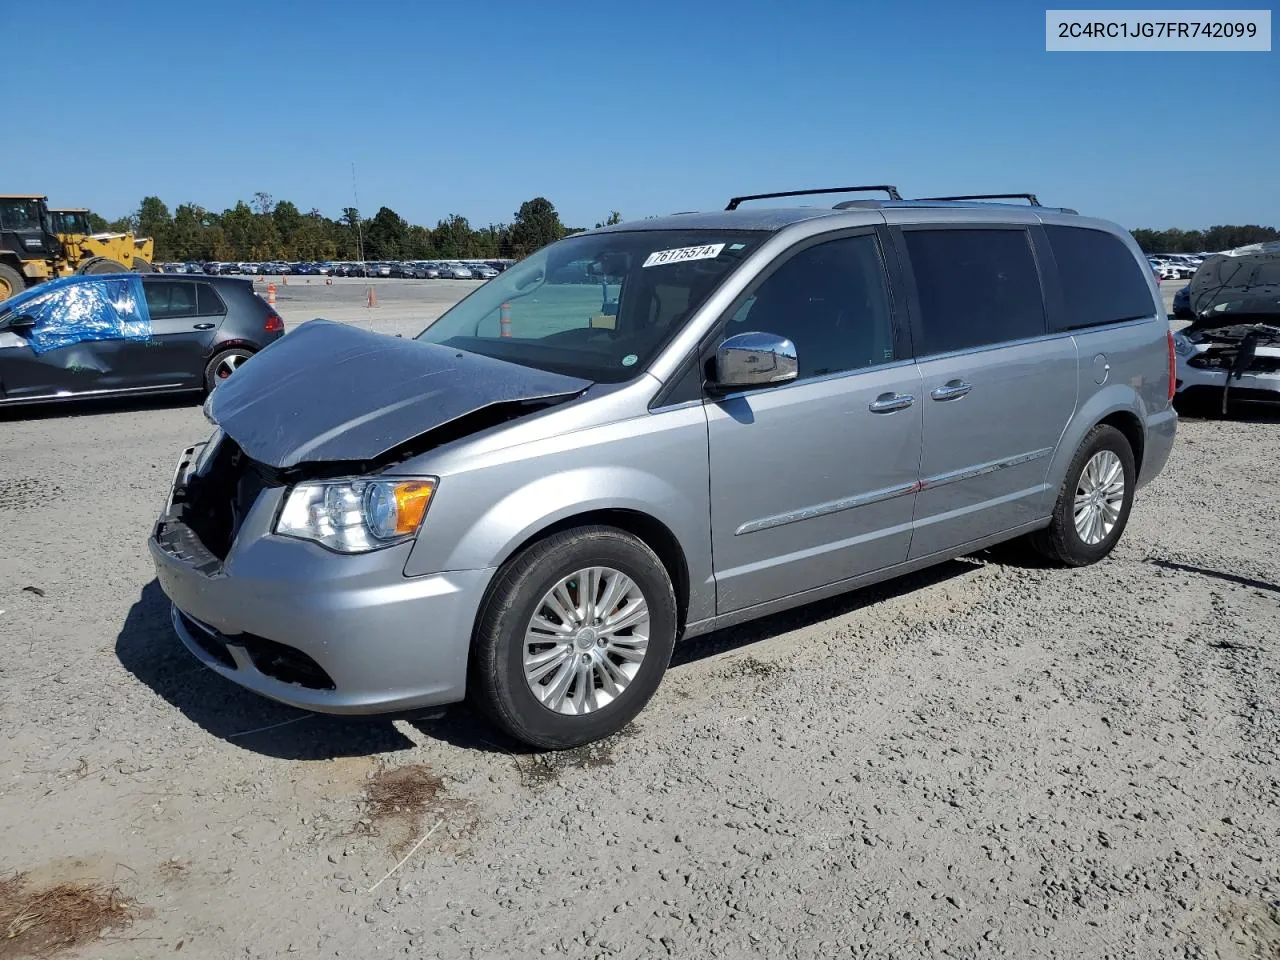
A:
[275,323]
[1173,367]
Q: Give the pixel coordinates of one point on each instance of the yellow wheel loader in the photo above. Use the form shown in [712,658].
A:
[81,244]
[33,248]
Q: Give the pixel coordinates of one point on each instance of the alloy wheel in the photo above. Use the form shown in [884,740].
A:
[586,640]
[1099,497]
[228,365]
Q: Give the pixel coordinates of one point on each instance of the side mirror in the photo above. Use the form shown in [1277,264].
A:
[21,322]
[748,360]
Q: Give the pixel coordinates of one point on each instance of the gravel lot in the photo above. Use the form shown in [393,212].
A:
[986,759]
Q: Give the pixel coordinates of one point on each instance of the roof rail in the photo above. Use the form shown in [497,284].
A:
[1029,197]
[891,190]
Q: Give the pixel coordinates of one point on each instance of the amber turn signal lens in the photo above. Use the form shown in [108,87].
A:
[412,498]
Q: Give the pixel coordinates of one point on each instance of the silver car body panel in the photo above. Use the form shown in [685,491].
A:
[809,514]
[984,465]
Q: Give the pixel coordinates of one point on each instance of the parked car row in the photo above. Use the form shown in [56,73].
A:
[1177,266]
[404,269]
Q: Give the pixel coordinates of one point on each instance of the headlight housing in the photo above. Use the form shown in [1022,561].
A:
[207,453]
[1182,346]
[356,515]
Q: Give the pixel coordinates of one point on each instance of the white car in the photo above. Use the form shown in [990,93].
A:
[1231,348]
[1171,269]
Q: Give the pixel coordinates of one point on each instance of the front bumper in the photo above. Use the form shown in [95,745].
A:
[1252,384]
[297,623]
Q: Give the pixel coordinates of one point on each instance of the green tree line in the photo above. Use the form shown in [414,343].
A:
[266,230]
[1203,241]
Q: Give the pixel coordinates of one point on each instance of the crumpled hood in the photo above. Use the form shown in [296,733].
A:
[1229,289]
[328,391]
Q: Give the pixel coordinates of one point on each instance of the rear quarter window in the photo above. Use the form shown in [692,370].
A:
[208,303]
[1102,282]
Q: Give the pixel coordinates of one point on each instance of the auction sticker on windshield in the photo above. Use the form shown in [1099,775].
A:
[708,251]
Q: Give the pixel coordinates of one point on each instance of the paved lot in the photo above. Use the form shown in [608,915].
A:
[402,306]
[987,759]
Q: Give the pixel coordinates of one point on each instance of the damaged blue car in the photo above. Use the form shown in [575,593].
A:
[129,333]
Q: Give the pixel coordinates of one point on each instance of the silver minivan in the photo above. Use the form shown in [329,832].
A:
[653,430]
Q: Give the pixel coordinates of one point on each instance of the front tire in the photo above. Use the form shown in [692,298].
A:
[1094,502]
[98,265]
[574,638]
[12,282]
[143,266]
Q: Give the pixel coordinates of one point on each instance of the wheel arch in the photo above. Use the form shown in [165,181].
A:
[1127,422]
[1116,406]
[645,527]
[233,344]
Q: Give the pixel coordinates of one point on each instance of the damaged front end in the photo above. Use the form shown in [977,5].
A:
[1232,346]
[219,482]
[330,393]
[330,402]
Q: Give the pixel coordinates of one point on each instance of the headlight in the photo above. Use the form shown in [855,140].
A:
[206,455]
[1182,346]
[355,516]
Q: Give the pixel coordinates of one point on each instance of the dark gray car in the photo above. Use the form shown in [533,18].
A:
[121,334]
[658,429]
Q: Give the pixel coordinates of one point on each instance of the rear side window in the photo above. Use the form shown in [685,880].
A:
[208,303]
[1101,280]
[976,288]
[170,299]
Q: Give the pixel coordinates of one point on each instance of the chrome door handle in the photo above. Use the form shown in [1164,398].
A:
[203,326]
[888,402]
[951,390]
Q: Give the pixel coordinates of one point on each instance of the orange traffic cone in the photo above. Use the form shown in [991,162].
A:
[505,320]
[271,293]
[373,299]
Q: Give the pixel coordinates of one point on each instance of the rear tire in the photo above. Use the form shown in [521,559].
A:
[574,649]
[12,282]
[1091,513]
[223,365]
[97,265]
[142,266]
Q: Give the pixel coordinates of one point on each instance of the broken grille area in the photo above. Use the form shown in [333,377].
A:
[214,506]
[276,660]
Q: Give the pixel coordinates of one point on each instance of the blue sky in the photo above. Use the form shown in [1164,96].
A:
[644,107]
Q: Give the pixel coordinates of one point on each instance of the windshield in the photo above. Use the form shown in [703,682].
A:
[19,214]
[68,222]
[595,306]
